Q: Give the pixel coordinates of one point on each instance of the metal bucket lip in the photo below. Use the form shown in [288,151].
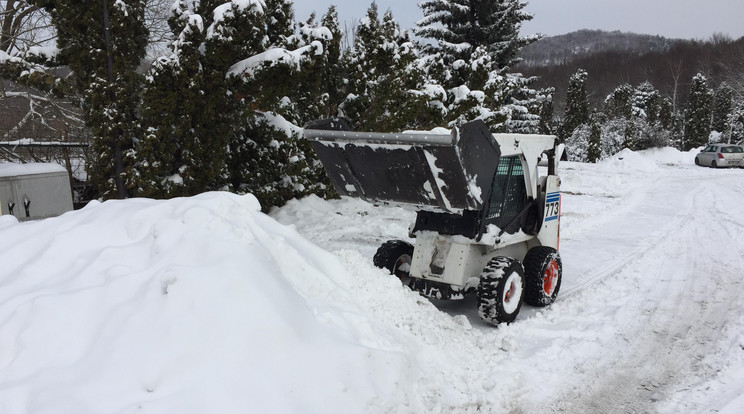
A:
[404,138]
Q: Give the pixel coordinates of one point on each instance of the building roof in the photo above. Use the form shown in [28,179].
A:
[10,169]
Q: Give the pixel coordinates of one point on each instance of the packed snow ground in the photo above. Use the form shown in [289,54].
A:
[206,305]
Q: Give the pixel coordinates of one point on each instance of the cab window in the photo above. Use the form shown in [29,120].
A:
[508,193]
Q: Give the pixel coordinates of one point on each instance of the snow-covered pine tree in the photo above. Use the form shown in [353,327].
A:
[736,122]
[646,103]
[546,111]
[666,115]
[190,106]
[331,70]
[698,113]
[577,144]
[475,44]
[594,149]
[110,93]
[614,136]
[618,103]
[280,23]
[651,115]
[378,75]
[425,105]
[282,88]
[723,101]
[173,112]
[360,66]
[577,105]
[320,75]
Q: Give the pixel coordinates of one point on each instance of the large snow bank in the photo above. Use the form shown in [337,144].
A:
[189,305]
[204,304]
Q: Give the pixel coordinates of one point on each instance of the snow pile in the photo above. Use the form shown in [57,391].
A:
[627,159]
[204,304]
[191,305]
[649,160]
[348,224]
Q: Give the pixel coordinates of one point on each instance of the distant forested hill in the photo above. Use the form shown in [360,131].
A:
[556,50]
[614,58]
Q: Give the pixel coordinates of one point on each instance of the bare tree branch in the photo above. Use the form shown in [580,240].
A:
[22,26]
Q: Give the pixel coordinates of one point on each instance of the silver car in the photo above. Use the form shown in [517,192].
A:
[721,155]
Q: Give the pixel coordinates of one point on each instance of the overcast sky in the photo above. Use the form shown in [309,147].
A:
[687,19]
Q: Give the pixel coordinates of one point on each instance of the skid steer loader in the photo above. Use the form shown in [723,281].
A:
[486,224]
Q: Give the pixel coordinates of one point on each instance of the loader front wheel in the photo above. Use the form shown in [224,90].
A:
[395,256]
[543,271]
[500,290]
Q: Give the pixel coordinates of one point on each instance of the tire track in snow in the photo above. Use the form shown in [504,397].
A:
[619,229]
[670,323]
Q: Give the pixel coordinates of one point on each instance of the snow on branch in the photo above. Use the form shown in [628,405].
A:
[274,57]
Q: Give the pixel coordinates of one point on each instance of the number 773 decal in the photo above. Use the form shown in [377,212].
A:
[552,206]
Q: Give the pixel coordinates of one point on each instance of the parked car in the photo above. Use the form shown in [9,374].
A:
[720,156]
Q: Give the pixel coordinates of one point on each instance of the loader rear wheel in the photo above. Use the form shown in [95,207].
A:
[543,271]
[395,256]
[500,290]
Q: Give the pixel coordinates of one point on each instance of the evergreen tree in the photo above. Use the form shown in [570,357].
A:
[190,105]
[646,103]
[736,123]
[280,23]
[546,112]
[577,104]
[378,97]
[577,144]
[107,79]
[666,115]
[677,130]
[651,115]
[281,89]
[614,136]
[698,113]
[723,101]
[618,104]
[594,150]
[331,72]
[309,85]
[474,45]
[461,26]
[425,106]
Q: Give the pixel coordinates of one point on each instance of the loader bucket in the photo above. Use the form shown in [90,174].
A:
[445,172]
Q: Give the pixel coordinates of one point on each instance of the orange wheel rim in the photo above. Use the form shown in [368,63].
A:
[550,280]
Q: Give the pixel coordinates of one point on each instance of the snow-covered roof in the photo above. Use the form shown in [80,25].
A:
[10,169]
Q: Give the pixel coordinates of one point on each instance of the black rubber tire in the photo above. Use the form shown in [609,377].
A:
[500,290]
[394,255]
[713,164]
[697,161]
[543,272]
